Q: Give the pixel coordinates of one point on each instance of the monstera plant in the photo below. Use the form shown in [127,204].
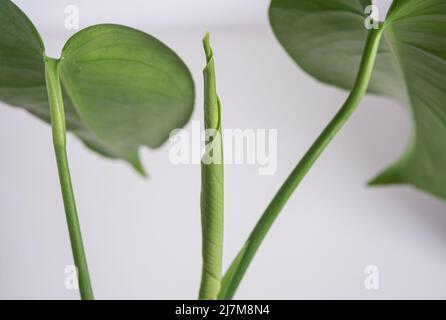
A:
[114,87]
[117,88]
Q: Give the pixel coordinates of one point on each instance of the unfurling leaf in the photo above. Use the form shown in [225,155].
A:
[212,187]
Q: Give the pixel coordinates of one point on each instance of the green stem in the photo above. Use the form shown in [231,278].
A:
[239,266]
[59,141]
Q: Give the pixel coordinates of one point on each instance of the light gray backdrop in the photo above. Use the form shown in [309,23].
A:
[143,236]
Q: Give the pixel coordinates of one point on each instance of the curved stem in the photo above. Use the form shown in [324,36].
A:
[239,266]
[59,142]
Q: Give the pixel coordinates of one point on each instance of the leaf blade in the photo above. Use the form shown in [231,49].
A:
[114,133]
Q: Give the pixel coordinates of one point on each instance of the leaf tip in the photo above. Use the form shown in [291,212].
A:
[388,176]
[207,46]
[139,168]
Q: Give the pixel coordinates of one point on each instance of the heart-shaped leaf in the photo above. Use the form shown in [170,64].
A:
[326,39]
[122,87]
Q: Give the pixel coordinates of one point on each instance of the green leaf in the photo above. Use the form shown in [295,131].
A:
[326,39]
[212,186]
[22,71]
[127,87]
[122,87]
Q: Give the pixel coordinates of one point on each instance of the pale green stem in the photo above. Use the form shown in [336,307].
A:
[59,142]
[240,264]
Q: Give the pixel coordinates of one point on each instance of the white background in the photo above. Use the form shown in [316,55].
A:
[143,236]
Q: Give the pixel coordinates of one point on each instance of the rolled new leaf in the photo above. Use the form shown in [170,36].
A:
[212,193]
